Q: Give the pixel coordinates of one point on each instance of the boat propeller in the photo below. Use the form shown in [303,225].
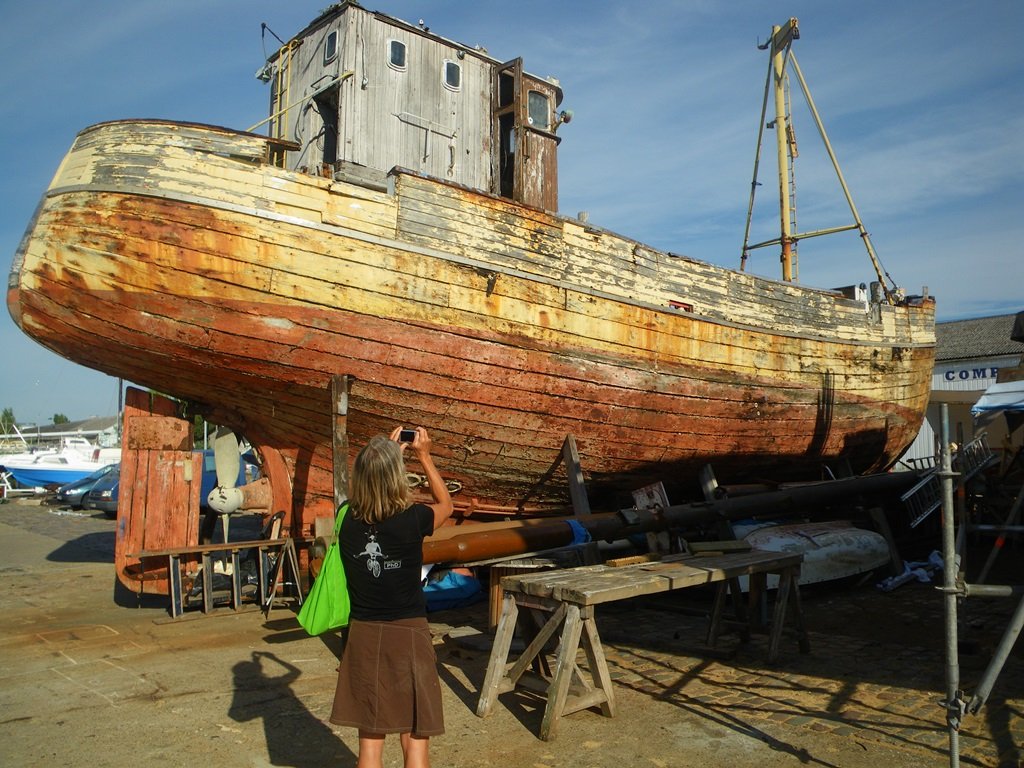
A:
[227,497]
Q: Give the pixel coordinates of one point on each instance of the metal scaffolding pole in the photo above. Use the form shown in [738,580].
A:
[955,588]
[1009,527]
[954,702]
[998,660]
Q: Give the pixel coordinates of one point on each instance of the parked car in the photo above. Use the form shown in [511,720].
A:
[103,494]
[73,493]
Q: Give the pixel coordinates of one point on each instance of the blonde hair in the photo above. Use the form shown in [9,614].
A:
[378,488]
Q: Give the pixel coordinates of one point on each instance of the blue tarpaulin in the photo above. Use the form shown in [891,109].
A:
[453,590]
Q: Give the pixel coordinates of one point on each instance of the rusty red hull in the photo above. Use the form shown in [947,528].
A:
[246,310]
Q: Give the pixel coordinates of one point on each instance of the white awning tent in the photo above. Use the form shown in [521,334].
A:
[1004,398]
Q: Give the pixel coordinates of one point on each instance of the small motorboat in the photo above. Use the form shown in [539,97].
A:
[75,459]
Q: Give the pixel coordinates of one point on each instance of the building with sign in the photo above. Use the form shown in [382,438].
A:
[971,355]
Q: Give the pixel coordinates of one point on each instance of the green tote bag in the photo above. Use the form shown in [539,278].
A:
[327,605]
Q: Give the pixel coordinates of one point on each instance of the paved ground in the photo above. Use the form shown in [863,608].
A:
[93,678]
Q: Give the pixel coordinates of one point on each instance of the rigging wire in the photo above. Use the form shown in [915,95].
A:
[263,35]
[754,184]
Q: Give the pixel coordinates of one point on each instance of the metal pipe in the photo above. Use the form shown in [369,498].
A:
[991,590]
[805,235]
[470,543]
[1010,525]
[279,113]
[954,700]
[997,529]
[998,659]
[757,163]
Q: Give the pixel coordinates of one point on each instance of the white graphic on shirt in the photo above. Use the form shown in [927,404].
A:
[373,552]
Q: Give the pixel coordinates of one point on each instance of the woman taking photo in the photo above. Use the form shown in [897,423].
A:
[387,681]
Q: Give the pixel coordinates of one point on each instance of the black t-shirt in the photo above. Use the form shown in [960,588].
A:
[384,563]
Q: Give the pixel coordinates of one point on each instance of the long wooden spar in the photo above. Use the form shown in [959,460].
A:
[467,544]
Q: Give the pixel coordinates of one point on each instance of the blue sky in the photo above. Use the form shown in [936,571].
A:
[921,100]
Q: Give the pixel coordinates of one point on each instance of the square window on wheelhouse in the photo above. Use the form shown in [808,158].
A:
[331,47]
[452,75]
[396,54]
[538,111]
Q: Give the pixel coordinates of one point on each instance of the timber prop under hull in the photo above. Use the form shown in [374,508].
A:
[175,256]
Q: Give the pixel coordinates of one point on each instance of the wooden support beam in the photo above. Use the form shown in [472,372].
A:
[882,524]
[577,485]
[339,421]
[570,457]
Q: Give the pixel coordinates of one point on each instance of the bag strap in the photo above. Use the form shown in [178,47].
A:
[339,518]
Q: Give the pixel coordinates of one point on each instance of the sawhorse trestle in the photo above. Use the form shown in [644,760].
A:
[569,689]
[565,600]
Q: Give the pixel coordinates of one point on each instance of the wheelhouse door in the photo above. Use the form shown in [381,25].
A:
[523,162]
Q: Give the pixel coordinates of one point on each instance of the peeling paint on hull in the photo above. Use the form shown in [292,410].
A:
[173,256]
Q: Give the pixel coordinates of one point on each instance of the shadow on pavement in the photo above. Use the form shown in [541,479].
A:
[295,737]
[97,547]
[125,598]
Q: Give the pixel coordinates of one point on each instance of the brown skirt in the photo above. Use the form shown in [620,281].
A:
[387,681]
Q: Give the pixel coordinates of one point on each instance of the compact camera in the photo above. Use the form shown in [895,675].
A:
[407,435]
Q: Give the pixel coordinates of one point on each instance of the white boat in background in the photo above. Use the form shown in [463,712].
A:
[832,550]
[76,458]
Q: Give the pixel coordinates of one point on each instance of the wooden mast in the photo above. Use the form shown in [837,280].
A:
[781,39]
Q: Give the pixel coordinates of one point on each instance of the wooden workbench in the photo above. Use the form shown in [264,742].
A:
[567,598]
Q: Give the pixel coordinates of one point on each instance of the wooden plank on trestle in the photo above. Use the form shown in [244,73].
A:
[591,585]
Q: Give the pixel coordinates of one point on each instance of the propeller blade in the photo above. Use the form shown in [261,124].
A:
[226,458]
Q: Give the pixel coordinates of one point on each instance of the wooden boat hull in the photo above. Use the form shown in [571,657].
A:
[173,255]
